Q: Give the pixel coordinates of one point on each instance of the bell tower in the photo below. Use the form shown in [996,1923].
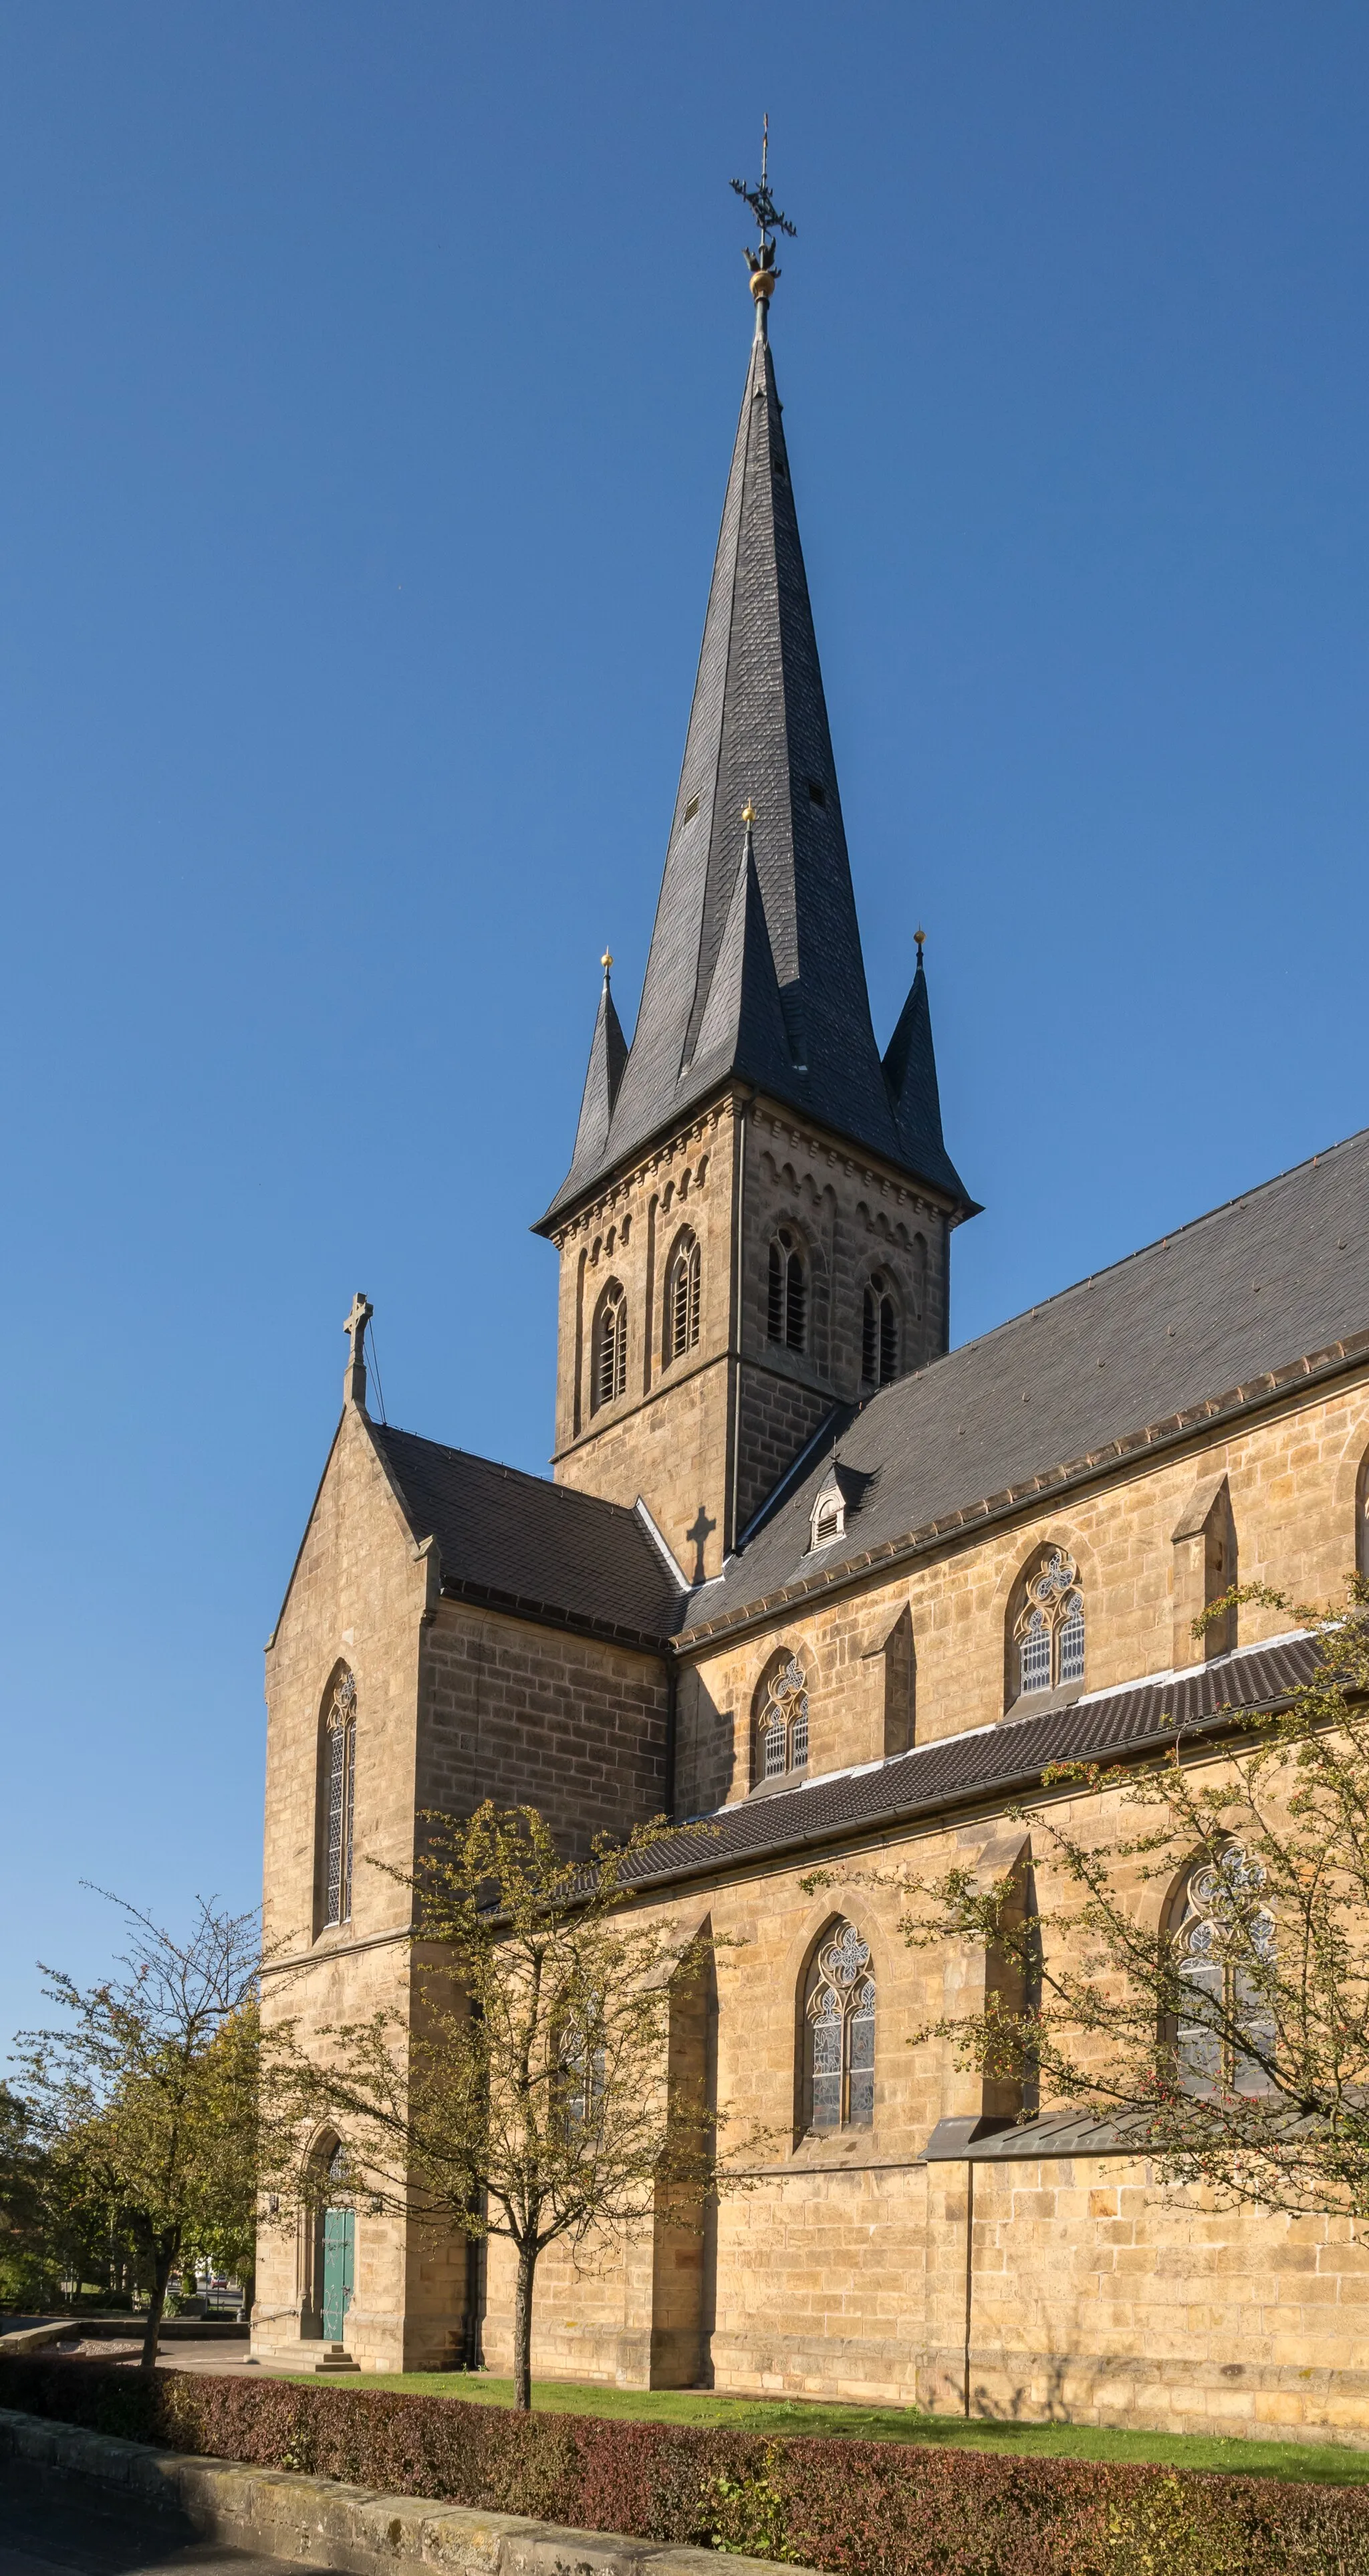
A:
[755,1225]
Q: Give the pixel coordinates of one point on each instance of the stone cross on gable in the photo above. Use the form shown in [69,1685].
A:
[354,1375]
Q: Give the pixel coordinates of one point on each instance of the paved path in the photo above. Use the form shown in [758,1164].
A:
[42,2536]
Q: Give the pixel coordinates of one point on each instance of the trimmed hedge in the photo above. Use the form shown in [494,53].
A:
[870,2508]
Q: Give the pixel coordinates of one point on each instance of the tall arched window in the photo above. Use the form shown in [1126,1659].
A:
[339,1796]
[1224,1936]
[1362,1519]
[782,1722]
[839,2026]
[1048,1630]
[879,1333]
[787,1293]
[609,1360]
[682,1297]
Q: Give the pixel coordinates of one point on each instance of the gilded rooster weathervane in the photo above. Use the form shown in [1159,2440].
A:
[762,262]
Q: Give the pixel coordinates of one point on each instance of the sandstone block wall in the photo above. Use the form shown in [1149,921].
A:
[1293,1498]
[537,1716]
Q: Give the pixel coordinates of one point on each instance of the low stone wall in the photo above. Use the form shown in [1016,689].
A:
[317,2523]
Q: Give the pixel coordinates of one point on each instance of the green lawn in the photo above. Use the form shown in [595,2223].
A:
[1331,2462]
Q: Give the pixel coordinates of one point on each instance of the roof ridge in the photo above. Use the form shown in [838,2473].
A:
[1161,1243]
[501,1467]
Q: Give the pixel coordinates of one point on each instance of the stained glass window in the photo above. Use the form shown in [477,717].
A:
[340,1743]
[840,2021]
[782,1722]
[1225,1936]
[1049,1629]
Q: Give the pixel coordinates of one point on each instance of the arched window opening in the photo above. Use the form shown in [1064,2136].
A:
[610,1347]
[919,1276]
[682,1298]
[879,1334]
[1362,1519]
[584,2078]
[1048,1631]
[339,1740]
[787,1304]
[1224,1940]
[782,1723]
[839,2023]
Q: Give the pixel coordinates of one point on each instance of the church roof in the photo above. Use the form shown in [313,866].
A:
[990,1765]
[755,969]
[1165,1341]
[540,1551]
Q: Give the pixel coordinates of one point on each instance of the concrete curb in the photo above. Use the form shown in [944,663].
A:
[318,2523]
[33,2338]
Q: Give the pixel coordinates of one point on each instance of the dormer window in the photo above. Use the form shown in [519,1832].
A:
[829,1512]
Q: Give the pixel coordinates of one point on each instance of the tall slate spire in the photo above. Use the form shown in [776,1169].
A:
[758,738]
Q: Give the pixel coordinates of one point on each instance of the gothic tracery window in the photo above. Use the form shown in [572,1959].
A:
[1224,1935]
[879,1334]
[610,1347]
[339,1788]
[787,1293]
[839,2022]
[682,1298]
[782,1723]
[1048,1632]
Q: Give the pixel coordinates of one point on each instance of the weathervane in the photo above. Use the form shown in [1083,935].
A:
[762,262]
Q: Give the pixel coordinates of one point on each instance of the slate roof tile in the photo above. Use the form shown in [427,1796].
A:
[521,1543]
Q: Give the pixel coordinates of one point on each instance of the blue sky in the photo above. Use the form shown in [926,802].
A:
[370,377]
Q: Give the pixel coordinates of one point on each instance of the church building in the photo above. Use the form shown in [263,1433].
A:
[805,1571]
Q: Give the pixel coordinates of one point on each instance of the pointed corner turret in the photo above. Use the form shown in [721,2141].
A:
[607,1057]
[743,1020]
[914,1094]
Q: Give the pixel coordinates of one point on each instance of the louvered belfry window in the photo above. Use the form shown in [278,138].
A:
[840,2019]
[340,1734]
[787,1294]
[682,1298]
[879,1335]
[1049,1629]
[610,1347]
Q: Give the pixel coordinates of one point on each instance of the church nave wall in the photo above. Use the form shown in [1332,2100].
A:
[1294,1481]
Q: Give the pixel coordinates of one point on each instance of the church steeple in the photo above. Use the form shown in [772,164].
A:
[749,1181]
[758,736]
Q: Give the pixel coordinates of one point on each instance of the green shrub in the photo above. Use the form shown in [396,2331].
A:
[855,2508]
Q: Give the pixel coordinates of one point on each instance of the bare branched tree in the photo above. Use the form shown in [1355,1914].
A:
[532,2098]
[158,2100]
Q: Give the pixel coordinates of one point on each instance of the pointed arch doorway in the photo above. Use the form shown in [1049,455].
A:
[334,2264]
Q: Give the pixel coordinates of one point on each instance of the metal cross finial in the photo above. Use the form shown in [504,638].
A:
[760,201]
[354,1375]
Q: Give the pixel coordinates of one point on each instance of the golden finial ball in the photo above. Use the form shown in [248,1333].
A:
[606,960]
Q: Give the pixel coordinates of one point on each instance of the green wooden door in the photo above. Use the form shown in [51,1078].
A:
[339,2236]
